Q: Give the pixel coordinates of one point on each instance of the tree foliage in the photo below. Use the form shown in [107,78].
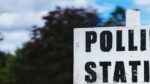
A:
[117,18]
[48,57]
[7,76]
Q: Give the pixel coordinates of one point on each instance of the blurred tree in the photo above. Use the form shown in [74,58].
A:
[7,76]
[2,59]
[48,57]
[117,18]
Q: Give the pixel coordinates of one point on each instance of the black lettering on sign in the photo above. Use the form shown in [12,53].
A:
[92,74]
[143,39]
[134,65]
[91,37]
[146,71]
[105,70]
[119,73]
[119,41]
[132,47]
[106,41]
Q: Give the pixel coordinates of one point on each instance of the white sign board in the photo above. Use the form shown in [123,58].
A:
[112,55]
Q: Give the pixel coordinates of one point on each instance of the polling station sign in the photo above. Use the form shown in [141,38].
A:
[112,55]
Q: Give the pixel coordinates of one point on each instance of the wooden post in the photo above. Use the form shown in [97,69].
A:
[133,18]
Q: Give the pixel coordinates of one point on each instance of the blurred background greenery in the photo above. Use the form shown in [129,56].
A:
[48,57]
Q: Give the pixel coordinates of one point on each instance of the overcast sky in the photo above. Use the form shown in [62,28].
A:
[17,16]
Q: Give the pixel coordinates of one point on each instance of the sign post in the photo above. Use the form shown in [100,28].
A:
[111,55]
[132,17]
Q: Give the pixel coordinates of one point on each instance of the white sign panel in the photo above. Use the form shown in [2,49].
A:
[112,55]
